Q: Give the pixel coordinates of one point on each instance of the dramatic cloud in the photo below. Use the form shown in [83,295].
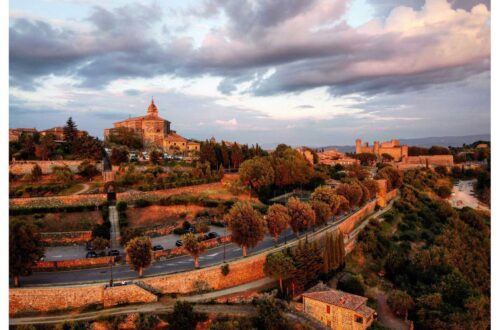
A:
[254,68]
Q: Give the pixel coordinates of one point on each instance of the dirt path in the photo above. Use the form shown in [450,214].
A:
[385,315]
[83,190]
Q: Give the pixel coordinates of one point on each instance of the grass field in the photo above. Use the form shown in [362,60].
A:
[156,215]
[62,222]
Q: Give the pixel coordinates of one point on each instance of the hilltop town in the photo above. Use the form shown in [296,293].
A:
[302,236]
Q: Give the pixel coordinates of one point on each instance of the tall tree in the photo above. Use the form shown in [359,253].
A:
[139,253]
[326,195]
[226,161]
[352,192]
[279,266]
[246,225]
[308,264]
[277,220]
[36,173]
[236,155]
[400,303]
[70,132]
[25,249]
[119,155]
[256,173]
[301,215]
[322,211]
[194,247]
[47,147]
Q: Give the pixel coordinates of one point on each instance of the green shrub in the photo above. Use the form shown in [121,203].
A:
[224,269]
[142,203]
[121,206]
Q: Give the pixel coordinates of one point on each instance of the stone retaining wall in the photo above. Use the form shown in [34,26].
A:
[25,167]
[127,294]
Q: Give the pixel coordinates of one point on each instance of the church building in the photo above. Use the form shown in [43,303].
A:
[154,130]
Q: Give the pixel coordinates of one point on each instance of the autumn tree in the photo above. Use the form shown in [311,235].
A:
[279,266]
[25,249]
[393,176]
[366,158]
[155,157]
[139,253]
[119,155]
[36,173]
[372,186]
[256,173]
[343,205]
[322,211]
[100,244]
[290,167]
[126,137]
[246,225]
[400,303]
[194,247]
[47,147]
[277,220]
[352,192]
[63,174]
[326,195]
[236,155]
[301,215]
[87,170]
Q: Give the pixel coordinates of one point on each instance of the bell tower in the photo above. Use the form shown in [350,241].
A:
[152,109]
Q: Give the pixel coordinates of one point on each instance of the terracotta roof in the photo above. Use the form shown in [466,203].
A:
[365,311]
[174,137]
[140,118]
[338,298]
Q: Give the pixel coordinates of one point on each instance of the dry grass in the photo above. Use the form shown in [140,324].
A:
[156,215]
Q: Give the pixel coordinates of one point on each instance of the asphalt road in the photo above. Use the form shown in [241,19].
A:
[122,272]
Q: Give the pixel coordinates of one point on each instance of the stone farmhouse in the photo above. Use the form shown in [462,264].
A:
[337,309]
[156,131]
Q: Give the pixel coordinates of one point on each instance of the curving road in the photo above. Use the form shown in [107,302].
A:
[217,255]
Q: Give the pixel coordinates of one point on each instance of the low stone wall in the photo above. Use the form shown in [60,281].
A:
[66,238]
[160,230]
[127,294]
[25,301]
[73,263]
[240,272]
[25,167]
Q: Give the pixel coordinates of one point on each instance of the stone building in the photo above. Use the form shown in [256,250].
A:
[15,133]
[154,130]
[393,148]
[338,309]
[58,133]
[333,157]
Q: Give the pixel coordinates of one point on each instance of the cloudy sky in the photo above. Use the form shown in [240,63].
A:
[302,72]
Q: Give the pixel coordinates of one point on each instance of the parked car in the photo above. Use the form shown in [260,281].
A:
[211,235]
[167,156]
[157,247]
[178,243]
[116,254]
[133,157]
[91,254]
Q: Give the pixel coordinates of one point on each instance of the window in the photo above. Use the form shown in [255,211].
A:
[327,309]
[358,319]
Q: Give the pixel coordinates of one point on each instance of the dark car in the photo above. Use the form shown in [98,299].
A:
[178,243]
[116,254]
[157,247]
[211,235]
[88,245]
[91,254]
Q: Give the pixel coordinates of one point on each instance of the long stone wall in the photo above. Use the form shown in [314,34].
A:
[72,263]
[25,167]
[66,238]
[26,300]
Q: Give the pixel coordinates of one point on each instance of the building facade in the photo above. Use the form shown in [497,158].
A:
[393,148]
[154,130]
[338,310]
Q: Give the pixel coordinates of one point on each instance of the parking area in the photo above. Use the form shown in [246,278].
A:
[58,253]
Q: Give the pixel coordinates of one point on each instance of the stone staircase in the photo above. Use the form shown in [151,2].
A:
[115,228]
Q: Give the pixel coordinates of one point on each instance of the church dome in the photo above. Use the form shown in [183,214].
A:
[152,110]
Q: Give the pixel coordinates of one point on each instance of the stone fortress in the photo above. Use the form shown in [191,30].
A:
[393,148]
[402,159]
[154,131]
